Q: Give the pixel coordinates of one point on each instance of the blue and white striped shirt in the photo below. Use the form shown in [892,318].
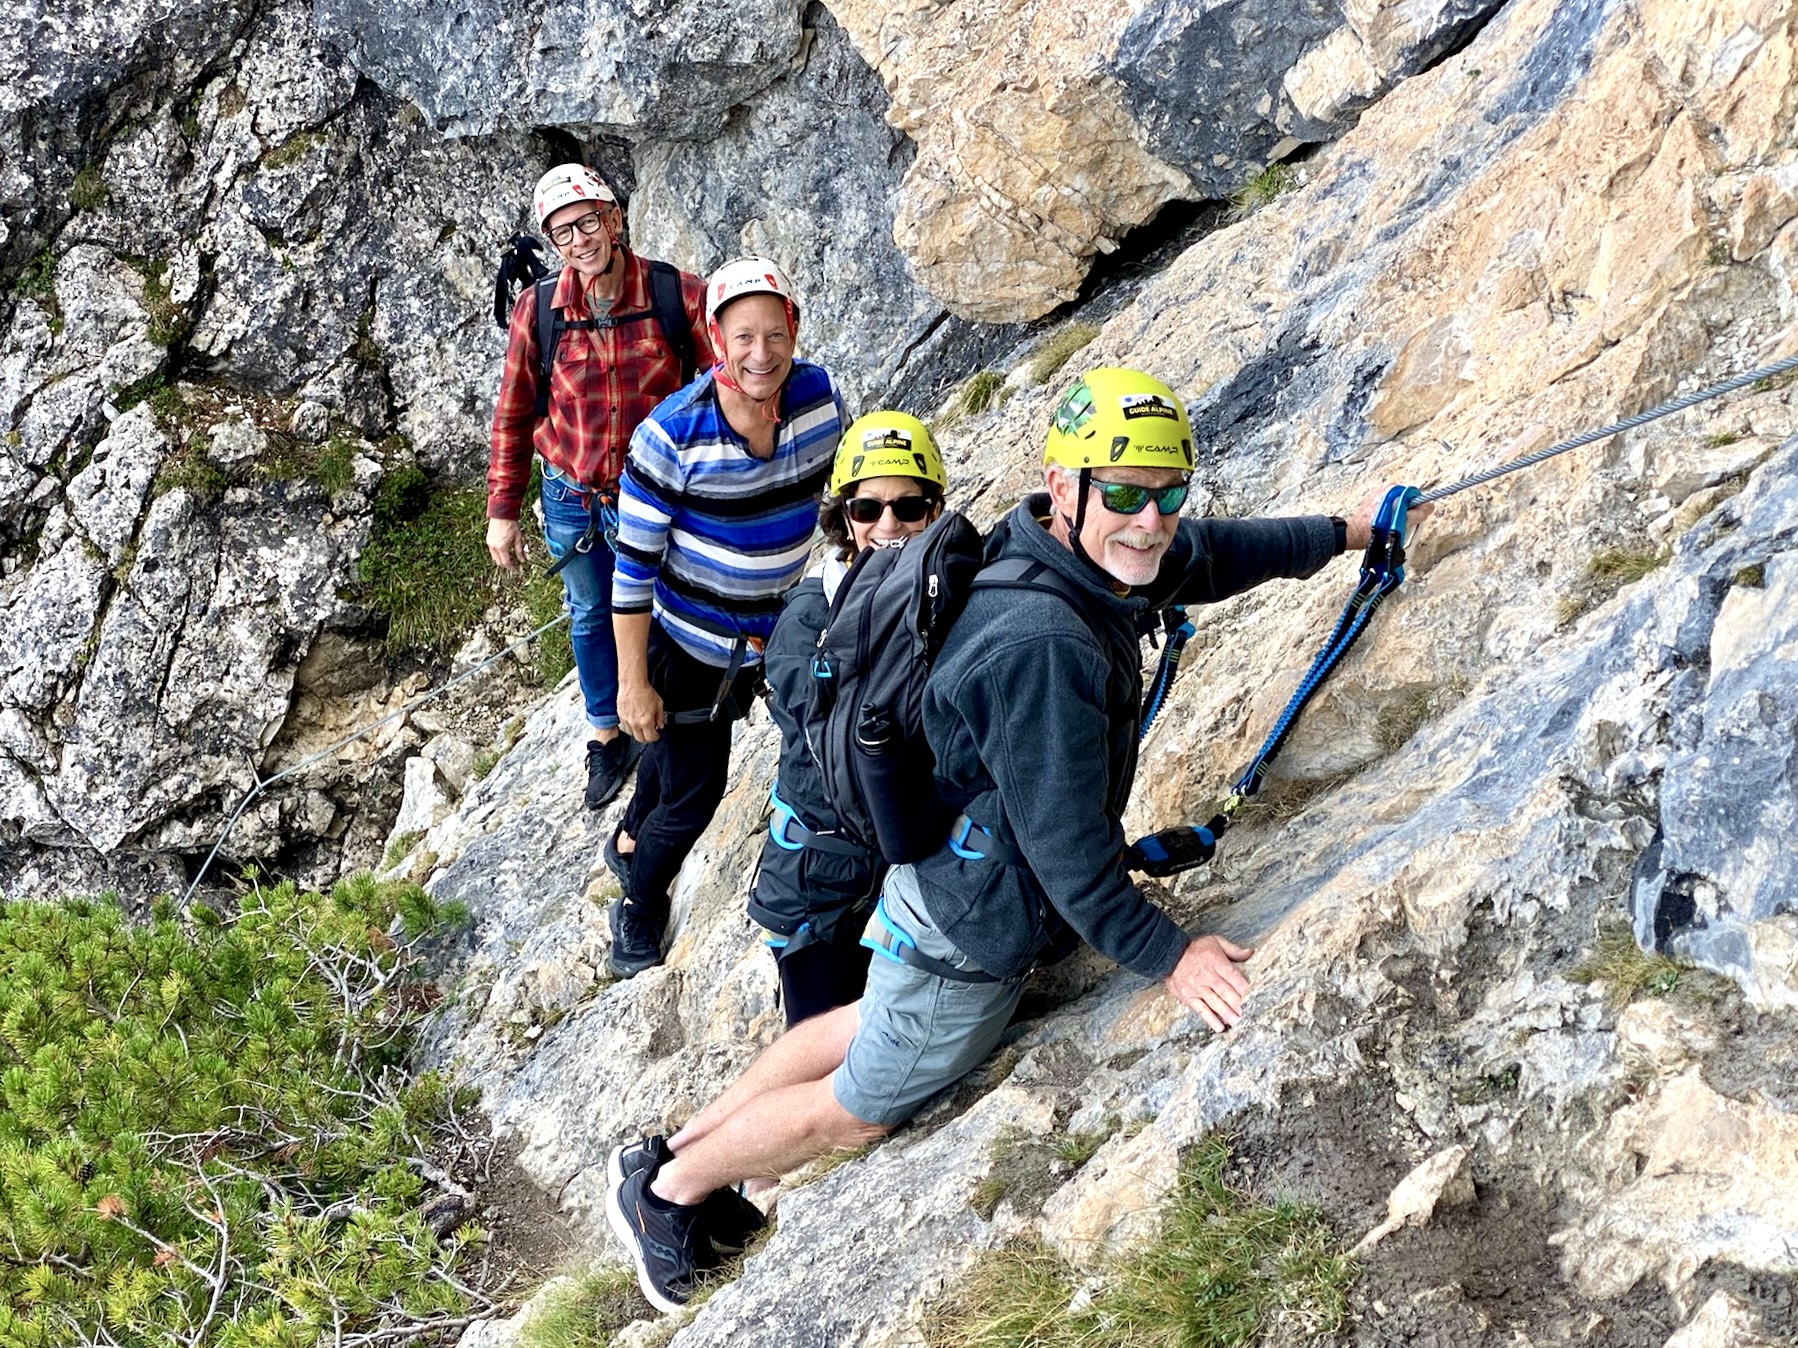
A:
[709,535]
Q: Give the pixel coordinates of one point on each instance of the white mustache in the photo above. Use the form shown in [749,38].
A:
[1132,539]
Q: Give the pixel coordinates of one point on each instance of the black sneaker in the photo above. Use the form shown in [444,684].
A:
[727,1220]
[659,1236]
[608,765]
[636,946]
[617,862]
[646,1153]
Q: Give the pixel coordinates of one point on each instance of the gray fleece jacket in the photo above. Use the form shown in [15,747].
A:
[1032,711]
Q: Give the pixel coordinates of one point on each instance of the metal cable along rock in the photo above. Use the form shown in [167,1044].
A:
[1382,571]
[424,697]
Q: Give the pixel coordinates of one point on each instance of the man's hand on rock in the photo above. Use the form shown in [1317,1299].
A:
[1207,981]
[1360,524]
[640,711]
[505,544]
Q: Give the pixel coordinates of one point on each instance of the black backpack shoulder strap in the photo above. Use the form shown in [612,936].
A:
[1022,573]
[549,332]
[671,313]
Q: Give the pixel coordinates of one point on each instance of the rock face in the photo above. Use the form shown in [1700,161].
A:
[761,185]
[595,66]
[1717,888]
[1536,236]
[1018,180]
[224,245]
[1046,132]
[254,219]
[1223,88]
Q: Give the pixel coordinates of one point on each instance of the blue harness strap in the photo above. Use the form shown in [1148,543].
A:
[887,940]
[1163,682]
[792,836]
[1382,572]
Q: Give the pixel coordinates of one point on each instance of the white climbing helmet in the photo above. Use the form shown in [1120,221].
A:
[565,183]
[748,276]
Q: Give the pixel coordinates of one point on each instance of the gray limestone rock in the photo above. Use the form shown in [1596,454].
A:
[107,496]
[1223,87]
[762,185]
[49,612]
[1717,882]
[597,64]
[191,674]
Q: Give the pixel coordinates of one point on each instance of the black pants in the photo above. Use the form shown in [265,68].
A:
[824,975]
[682,775]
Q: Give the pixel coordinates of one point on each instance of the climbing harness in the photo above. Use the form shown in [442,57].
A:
[1382,571]
[602,522]
[263,784]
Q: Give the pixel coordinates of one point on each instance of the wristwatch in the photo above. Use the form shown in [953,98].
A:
[1340,525]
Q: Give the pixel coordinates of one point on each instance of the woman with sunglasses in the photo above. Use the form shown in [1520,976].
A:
[814,888]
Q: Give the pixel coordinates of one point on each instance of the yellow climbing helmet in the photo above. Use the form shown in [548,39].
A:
[1123,418]
[886,444]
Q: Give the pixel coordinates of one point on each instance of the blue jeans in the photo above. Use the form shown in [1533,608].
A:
[587,591]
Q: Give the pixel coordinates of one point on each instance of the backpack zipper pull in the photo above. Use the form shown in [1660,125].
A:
[933,584]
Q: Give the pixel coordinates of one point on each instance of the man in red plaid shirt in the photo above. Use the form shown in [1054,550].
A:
[613,364]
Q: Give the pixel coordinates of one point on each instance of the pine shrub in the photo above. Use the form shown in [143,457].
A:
[205,1135]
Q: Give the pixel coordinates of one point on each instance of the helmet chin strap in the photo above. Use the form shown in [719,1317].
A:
[1073,526]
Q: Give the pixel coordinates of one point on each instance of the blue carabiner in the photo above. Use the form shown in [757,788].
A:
[777,822]
[958,841]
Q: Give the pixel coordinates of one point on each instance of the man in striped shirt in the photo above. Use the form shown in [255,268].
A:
[716,509]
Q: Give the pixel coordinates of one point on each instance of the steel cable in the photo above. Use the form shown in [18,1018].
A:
[362,733]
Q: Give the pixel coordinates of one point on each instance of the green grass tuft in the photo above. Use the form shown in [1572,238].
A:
[1750,577]
[1607,572]
[1261,190]
[586,1310]
[1626,970]
[979,393]
[1225,1270]
[291,150]
[38,280]
[1076,1149]
[1768,383]
[168,324]
[426,566]
[1059,349]
[89,191]
[554,654]
[397,849]
[988,1194]
[190,470]
[335,465]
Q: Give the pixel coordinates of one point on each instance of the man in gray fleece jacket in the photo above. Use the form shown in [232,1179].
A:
[1032,711]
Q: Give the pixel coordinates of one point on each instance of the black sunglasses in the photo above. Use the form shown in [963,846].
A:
[588,224]
[869,509]
[1126,498]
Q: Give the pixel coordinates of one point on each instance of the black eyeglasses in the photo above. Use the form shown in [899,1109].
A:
[563,235]
[869,509]
[1126,498]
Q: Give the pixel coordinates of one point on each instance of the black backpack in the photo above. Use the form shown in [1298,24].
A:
[864,723]
[521,264]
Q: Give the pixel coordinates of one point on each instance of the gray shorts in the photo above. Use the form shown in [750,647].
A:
[919,1032]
